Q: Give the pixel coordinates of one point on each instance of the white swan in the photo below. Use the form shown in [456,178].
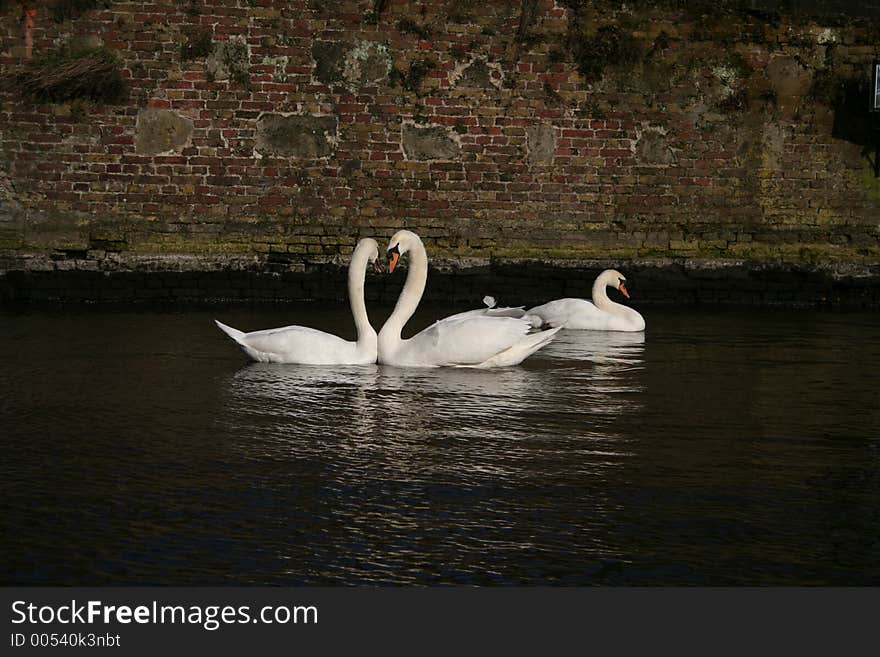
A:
[600,314]
[308,346]
[469,341]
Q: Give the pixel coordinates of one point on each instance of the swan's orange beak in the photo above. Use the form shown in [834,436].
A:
[377,266]
[393,257]
[622,288]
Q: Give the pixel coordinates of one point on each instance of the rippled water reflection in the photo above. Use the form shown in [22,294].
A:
[721,447]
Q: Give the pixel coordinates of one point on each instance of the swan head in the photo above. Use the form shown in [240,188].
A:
[373,257]
[400,243]
[369,247]
[393,257]
[615,279]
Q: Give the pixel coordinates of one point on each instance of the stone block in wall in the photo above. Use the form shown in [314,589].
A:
[300,135]
[329,57]
[230,60]
[772,146]
[366,63]
[352,65]
[541,144]
[478,73]
[429,142]
[788,77]
[161,131]
[653,148]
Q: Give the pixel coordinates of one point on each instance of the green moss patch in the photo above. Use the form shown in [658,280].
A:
[63,10]
[411,79]
[70,73]
[610,45]
[197,43]
[828,88]
[409,26]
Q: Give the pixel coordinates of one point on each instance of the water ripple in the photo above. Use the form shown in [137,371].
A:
[717,448]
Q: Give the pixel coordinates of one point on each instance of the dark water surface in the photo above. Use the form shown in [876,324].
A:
[722,447]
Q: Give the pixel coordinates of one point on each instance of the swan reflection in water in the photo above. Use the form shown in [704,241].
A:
[601,347]
[484,462]
[565,397]
[375,400]
[285,402]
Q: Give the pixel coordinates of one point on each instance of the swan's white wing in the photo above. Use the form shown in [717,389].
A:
[466,340]
[583,314]
[292,338]
[517,312]
[563,312]
[507,311]
[295,344]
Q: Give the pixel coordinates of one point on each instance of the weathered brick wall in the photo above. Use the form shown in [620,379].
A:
[267,135]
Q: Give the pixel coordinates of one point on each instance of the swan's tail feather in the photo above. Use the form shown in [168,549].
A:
[535,341]
[521,350]
[235,334]
[239,338]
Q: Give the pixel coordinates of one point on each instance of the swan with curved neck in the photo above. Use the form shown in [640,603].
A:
[308,346]
[460,341]
[600,314]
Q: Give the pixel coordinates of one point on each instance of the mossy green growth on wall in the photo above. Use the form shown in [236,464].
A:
[198,43]
[411,79]
[870,182]
[610,45]
[62,10]
[828,87]
[58,10]
[409,26]
[71,72]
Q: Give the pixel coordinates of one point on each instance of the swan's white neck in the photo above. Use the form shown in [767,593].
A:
[410,296]
[357,273]
[600,296]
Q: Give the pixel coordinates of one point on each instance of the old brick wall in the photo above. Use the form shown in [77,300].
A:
[266,136]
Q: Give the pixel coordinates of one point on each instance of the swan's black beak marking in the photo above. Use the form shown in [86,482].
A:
[393,257]
[622,288]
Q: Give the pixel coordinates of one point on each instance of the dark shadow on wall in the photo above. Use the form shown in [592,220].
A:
[528,283]
[852,120]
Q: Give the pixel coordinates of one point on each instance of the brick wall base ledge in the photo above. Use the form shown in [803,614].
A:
[126,277]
